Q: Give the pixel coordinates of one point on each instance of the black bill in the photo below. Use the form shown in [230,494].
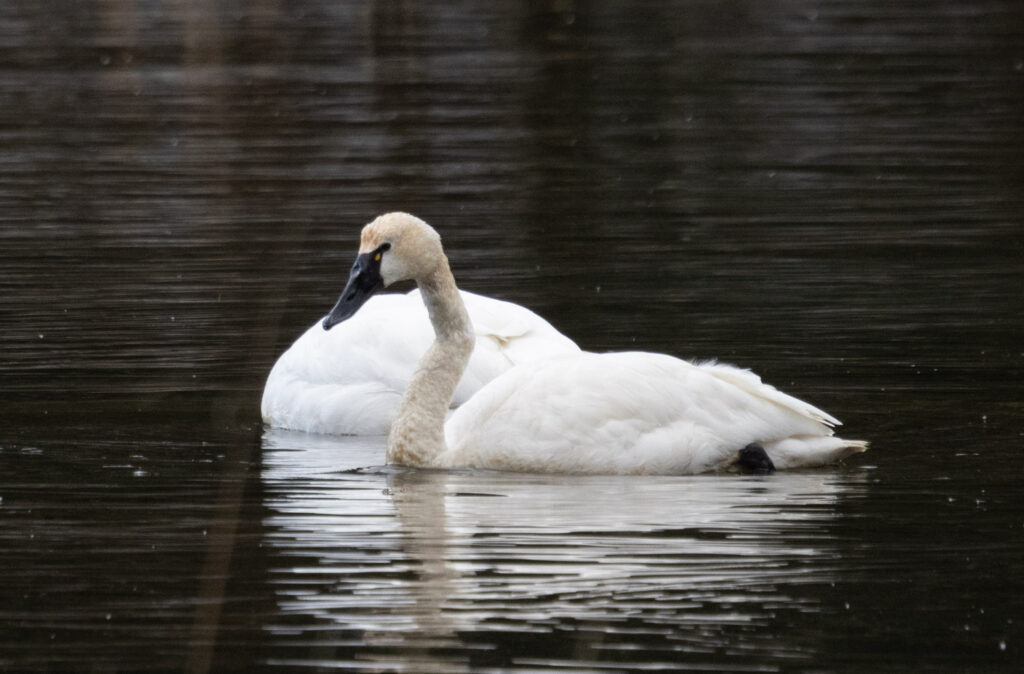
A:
[363,281]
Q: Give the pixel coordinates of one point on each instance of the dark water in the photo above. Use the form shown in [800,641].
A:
[829,193]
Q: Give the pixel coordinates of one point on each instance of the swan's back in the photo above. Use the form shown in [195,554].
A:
[350,379]
[634,413]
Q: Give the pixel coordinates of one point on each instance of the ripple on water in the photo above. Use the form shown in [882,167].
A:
[413,559]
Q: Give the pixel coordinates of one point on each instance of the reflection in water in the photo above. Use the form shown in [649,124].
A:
[429,567]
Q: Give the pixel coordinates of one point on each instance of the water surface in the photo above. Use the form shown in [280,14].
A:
[827,193]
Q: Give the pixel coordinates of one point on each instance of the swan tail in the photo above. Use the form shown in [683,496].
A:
[812,451]
[751,384]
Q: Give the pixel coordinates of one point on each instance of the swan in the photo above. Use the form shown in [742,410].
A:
[608,413]
[349,381]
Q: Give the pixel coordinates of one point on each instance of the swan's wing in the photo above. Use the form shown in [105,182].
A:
[349,379]
[788,447]
[381,343]
[621,413]
[357,409]
[519,334]
[747,381]
[507,334]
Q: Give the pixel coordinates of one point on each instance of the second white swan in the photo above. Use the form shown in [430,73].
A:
[349,380]
[613,413]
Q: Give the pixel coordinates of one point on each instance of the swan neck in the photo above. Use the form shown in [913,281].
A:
[417,433]
[447,311]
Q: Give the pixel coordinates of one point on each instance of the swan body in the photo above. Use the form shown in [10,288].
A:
[613,413]
[349,380]
[634,413]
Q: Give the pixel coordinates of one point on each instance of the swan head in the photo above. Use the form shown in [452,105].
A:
[394,247]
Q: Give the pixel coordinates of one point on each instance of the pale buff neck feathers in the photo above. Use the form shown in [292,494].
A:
[417,434]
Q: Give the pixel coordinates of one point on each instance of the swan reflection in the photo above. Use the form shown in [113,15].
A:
[420,562]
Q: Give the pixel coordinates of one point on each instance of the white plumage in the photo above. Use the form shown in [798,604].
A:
[634,413]
[617,413]
[349,380]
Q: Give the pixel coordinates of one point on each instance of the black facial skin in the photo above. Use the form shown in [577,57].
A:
[363,281]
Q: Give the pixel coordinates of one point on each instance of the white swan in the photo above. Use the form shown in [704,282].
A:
[586,413]
[350,380]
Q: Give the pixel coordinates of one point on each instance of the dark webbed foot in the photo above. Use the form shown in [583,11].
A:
[753,459]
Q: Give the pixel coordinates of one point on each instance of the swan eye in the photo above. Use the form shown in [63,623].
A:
[380,251]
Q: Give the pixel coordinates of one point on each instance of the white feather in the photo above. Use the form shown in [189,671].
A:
[618,413]
[631,413]
[350,379]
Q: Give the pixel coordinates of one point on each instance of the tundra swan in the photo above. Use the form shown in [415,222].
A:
[350,380]
[616,413]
